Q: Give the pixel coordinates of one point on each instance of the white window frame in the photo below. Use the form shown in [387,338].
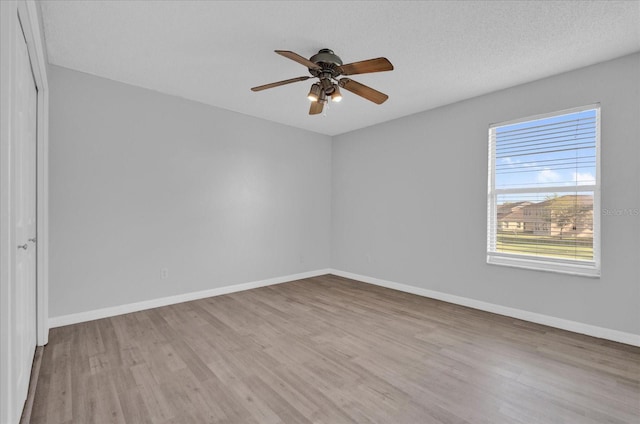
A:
[567,266]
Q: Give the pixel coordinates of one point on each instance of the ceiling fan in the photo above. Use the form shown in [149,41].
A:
[327,67]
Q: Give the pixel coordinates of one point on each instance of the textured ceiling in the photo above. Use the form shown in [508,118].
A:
[443,51]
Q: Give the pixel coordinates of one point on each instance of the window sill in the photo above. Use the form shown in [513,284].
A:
[589,269]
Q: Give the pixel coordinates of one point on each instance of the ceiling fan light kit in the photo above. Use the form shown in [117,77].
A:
[314,93]
[336,96]
[327,67]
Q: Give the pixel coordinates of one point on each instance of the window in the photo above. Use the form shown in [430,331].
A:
[544,173]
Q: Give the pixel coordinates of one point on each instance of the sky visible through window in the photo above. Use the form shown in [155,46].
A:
[559,151]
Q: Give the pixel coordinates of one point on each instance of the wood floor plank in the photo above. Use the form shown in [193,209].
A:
[329,350]
[151,393]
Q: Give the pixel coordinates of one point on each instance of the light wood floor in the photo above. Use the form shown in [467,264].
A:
[331,350]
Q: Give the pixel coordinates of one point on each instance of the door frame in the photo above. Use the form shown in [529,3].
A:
[27,14]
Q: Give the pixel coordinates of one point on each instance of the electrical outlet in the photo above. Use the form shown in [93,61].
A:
[164,273]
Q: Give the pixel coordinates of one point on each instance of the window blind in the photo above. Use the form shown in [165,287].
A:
[543,197]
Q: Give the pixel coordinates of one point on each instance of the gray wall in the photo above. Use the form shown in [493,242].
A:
[141,181]
[409,200]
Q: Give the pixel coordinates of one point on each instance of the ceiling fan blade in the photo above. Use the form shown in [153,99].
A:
[363,91]
[296,57]
[367,66]
[316,108]
[279,83]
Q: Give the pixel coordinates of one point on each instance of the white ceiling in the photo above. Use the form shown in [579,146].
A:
[443,51]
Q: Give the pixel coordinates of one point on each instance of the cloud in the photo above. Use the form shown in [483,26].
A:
[548,175]
[583,178]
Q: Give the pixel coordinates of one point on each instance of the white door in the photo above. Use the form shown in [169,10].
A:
[24,323]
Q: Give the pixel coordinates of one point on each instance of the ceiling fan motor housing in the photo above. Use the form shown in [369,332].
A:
[328,61]
[326,56]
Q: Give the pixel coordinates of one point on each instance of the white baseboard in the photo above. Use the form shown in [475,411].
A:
[574,326]
[170,300]
[564,324]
